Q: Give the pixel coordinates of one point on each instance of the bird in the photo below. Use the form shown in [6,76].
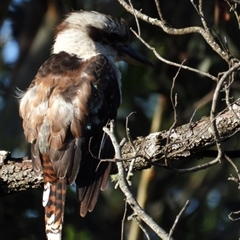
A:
[74,94]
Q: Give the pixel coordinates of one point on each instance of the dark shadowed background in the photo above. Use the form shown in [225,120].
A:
[26,39]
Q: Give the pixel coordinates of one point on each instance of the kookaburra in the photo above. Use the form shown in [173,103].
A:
[72,97]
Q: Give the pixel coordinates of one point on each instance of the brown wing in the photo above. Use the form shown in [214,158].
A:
[66,105]
[105,99]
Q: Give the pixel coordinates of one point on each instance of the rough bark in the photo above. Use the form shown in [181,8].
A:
[16,175]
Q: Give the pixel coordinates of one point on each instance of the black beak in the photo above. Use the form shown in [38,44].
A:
[130,55]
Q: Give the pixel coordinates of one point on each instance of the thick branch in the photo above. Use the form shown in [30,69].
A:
[184,142]
[17,175]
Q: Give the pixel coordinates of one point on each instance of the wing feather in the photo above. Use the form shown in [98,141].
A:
[64,111]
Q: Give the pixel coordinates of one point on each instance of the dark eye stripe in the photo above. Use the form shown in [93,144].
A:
[111,38]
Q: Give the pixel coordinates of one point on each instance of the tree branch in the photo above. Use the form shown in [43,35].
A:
[174,31]
[17,175]
[186,141]
[123,184]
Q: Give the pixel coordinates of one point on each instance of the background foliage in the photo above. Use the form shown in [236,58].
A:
[26,39]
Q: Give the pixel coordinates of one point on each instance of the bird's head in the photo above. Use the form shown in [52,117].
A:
[89,33]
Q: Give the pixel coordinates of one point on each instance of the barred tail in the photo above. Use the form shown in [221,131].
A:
[54,200]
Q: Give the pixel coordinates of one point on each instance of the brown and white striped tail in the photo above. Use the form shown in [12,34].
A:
[54,196]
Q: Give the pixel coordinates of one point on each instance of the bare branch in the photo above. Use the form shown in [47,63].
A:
[234,216]
[136,19]
[125,188]
[214,107]
[173,63]
[174,106]
[134,217]
[130,170]
[186,141]
[174,31]
[17,175]
[178,217]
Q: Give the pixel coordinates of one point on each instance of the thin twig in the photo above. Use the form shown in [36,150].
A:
[234,219]
[136,19]
[233,8]
[182,31]
[207,28]
[214,106]
[159,10]
[233,165]
[199,11]
[125,188]
[123,220]
[177,218]
[173,63]
[174,106]
[130,169]
[134,217]
[197,168]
